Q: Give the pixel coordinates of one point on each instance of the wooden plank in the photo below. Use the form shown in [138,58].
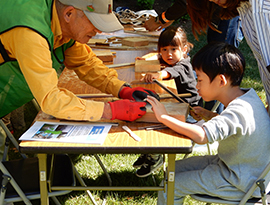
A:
[152,34]
[147,65]
[93,41]
[134,42]
[119,46]
[176,110]
[104,95]
[95,95]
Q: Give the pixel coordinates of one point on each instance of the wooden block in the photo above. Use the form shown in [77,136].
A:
[134,42]
[176,110]
[93,41]
[104,55]
[147,66]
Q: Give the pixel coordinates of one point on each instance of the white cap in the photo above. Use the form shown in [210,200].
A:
[99,12]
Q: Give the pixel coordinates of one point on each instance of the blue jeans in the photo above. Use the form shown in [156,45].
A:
[231,32]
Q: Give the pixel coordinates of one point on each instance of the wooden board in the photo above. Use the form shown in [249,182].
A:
[134,42]
[115,43]
[147,66]
[177,110]
[147,33]
[93,41]
[104,55]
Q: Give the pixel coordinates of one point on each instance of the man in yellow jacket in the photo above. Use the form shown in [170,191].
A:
[38,37]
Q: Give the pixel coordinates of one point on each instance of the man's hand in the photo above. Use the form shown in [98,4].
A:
[137,93]
[127,110]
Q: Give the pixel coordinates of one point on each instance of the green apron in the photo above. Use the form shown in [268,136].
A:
[35,15]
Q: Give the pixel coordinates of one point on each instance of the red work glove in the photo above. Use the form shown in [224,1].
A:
[137,93]
[127,110]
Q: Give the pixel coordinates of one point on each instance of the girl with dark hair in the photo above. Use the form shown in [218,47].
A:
[173,49]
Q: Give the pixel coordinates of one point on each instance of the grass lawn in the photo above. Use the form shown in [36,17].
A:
[120,166]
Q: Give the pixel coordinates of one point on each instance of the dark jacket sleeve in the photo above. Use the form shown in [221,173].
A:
[177,10]
[185,81]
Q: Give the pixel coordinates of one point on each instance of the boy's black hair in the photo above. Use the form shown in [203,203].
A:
[220,58]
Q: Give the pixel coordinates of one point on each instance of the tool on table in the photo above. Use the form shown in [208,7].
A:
[132,134]
[153,127]
[156,128]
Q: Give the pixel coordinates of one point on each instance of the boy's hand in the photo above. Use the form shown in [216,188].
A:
[199,113]
[137,93]
[157,107]
[127,110]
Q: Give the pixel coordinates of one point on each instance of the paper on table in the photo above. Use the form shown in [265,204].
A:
[73,132]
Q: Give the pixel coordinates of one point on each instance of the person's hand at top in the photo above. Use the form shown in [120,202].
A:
[152,25]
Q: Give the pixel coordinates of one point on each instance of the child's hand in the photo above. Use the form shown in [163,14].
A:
[148,77]
[157,107]
[199,113]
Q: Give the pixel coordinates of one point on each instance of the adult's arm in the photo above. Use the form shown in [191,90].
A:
[166,18]
[177,10]
[91,69]
[33,55]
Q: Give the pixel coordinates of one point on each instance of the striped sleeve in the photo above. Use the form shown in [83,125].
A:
[261,16]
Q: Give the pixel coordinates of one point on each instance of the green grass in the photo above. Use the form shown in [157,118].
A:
[120,166]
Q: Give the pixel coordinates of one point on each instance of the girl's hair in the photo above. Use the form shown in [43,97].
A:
[220,58]
[201,12]
[174,36]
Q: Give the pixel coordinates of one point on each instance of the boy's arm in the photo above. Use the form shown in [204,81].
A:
[166,18]
[194,132]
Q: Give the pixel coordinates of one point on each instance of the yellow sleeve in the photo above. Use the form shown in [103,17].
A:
[91,69]
[33,55]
